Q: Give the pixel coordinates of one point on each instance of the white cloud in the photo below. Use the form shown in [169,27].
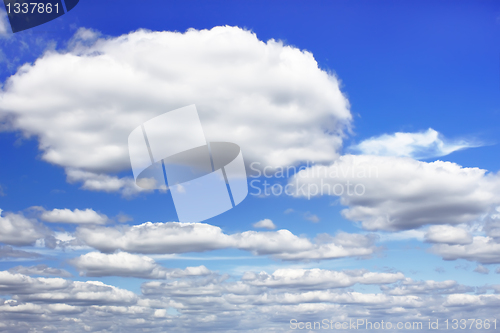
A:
[395,193]
[4,23]
[175,237]
[481,269]
[401,235]
[448,234]
[492,224]
[271,99]
[311,217]
[411,287]
[41,269]
[482,249]
[474,302]
[123,218]
[84,37]
[328,247]
[318,278]
[15,229]
[87,216]
[418,145]
[172,237]
[63,241]
[265,223]
[257,303]
[130,265]
[59,290]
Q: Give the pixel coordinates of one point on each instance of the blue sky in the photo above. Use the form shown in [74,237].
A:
[408,89]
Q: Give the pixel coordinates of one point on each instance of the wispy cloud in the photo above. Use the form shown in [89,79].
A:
[130,265]
[311,217]
[265,223]
[419,145]
[77,216]
[4,23]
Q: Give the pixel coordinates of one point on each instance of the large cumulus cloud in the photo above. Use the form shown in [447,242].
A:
[400,193]
[271,99]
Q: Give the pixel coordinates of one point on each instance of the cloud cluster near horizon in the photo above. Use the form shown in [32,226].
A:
[203,300]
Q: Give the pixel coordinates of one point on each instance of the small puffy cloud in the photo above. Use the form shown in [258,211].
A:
[448,234]
[2,191]
[41,269]
[484,250]
[396,193]
[63,241]
[93,181]
[418,145]
[15,229]
[176,237]
[77,216]
[83,102]
[130,265]
[123,218]
[440,270]
[317,278]
[265,224]
[311,217]
[84,37]
[481,269]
